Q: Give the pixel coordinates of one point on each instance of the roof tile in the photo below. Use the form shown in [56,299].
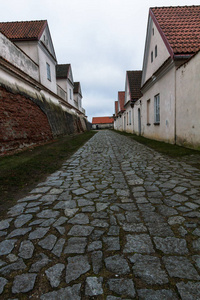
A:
[27,30]
[121,98]
[181,27]
[102,120]
[134,79]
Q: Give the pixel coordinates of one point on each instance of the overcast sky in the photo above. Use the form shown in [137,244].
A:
[101,39]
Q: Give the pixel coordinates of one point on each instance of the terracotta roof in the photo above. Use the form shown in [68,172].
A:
[134,80]
[25,30]
[116,108]
[62,71]
[121,98]
[179,27]
[102,120]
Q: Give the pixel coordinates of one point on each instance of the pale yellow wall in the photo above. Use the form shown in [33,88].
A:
[163,53]
[166,88]
[188,103]
[30,48]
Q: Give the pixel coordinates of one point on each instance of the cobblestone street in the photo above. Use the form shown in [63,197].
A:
[118,221]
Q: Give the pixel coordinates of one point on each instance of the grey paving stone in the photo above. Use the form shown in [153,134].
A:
[38,265]
[80,230]
[112,298]
[93,286]
[113,230]
[57,250]
[140,243]
[48,213]
[30,198]
[171,245]
[47,222]
[128,206]
[26,249]
[16,266]
[3,282]
[80,191]
[32,210]
[180,267]
[84,202]
[76,245]
[101,206]
[7,246]
[96,245]
[196,244]
[112,243]
[88,209]
[40,190]
[19,231]
[196,259]
[122,286]
[79,219]
[17,209]
[134,227]
[68,293]
[22,219]
[99,223]
[97,261]
[176,220]
[117,264]
[179,198]
[60,229]
[166,210]
[23,283]
[148,268]
[147,294]
[38,233]
[12,257]
[77,265]
[48,242]
[189,290]
[160,229]
[60,221]
[70,212]
[54,273]
[5,224]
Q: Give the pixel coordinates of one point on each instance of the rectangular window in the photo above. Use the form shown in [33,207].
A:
[48,72]
[156,51]
[148,108]
[129,117]
[151,56]
[70,93]
[157,109]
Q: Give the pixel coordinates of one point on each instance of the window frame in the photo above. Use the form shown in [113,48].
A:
[48,71]
[151,56]
[156,51]
[157,109]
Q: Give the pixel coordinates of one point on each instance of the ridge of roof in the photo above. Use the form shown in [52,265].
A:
[179,27]
[23,30]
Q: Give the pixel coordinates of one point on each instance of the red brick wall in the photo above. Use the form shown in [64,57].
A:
[22,122]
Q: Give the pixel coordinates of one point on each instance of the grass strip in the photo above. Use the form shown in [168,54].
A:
[19,173]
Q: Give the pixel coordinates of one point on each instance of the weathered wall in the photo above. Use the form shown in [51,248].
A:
[22,122]
[26,120]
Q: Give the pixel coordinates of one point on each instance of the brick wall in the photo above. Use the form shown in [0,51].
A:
[22,122]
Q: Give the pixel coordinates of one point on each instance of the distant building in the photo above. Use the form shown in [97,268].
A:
[102,123]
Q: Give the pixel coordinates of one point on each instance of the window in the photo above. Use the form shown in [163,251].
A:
[156,51]
[148,108]
[48,72]
[70,93]
[157,109]
[153,31]
[151,56]
[129,116]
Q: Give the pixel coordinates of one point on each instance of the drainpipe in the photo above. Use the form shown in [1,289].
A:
[175,110]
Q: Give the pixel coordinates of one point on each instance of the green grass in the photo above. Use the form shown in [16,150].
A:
[19,173]
[162,147]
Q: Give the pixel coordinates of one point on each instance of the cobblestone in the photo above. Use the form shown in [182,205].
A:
[117,221]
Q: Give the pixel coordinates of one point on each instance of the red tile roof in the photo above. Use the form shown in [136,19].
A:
[134,80]
[116,108]
[102,120]
[121,99]
[27,30]
[179,26]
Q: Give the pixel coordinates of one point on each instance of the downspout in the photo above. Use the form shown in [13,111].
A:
[175,110]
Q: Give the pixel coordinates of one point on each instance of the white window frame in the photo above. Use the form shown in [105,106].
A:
[129,116]
[48,72]
[157,109]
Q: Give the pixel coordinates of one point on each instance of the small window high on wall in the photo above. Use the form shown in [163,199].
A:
[156,51]
[48,72]
[157,109]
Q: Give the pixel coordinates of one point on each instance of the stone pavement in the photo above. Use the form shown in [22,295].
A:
[118,221]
